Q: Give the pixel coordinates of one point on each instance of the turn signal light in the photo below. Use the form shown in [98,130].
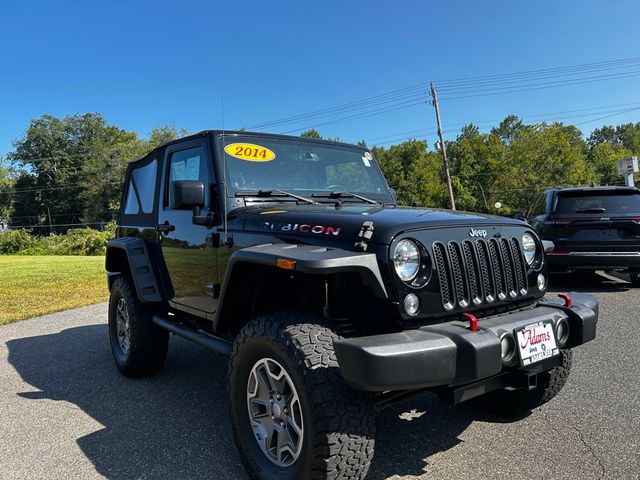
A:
[286,263]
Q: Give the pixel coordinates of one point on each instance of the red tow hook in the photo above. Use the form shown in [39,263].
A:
[473,321]
[566,298]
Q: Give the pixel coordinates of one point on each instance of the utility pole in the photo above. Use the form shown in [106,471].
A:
[443,148]
[49,215]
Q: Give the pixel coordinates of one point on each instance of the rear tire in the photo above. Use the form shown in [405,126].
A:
[139,346]
[516,402]
[337,423]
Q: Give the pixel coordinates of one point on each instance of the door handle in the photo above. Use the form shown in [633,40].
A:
[165,228]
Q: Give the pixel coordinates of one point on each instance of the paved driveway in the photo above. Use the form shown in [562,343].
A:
[67,413]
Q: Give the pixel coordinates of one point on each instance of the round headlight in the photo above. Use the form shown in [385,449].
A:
[406,259]
[529,248]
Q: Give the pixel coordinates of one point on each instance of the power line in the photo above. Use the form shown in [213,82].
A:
[548,72]
[56,187]
[365,102]
[361,115]
[58,225]
[470,85]
[73,214]
[521,117]
[544,86]
[398,138]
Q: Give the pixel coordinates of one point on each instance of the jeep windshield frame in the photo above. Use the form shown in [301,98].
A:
[301,166]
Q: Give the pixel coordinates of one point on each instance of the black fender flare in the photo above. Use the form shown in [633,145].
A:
[310,259]
[139,265]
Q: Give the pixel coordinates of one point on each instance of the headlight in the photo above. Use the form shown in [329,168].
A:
[529,248]
[406,260]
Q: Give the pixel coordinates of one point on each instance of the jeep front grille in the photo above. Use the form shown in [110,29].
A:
[478,272]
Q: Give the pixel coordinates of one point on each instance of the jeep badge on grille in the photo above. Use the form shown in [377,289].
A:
[477,233]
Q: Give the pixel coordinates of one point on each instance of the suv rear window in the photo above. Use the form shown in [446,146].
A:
[620,202]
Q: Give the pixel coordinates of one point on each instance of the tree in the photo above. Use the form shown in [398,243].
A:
[6,184]
[509,128]
[73,167]
[477,162]
[604,159]
[311,133]
[626,135]
[162,134]
[413,172]
[541,157]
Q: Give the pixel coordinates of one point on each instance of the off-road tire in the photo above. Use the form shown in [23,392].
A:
[517,402]
[339,422]
[635,280]
[148,343]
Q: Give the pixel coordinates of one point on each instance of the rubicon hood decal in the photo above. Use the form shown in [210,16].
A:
[302,228]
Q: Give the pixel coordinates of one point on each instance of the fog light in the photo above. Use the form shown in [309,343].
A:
[508,346]
[411,304]
[542,282]
[562,332]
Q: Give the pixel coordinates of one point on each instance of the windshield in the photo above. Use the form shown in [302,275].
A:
[264,163]
[622,202]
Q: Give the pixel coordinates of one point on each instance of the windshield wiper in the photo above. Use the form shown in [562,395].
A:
[274,193]
[338,195]
[590,210]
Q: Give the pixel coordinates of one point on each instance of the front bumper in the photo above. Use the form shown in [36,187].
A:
[449,354]
[593,261]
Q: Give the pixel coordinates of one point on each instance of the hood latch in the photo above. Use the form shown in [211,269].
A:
[365,234]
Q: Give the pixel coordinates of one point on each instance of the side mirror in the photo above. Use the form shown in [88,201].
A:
[186,194]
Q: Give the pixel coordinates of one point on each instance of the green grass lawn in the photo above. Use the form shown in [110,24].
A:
[36,285]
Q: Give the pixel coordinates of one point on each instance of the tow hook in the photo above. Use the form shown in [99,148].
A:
[473,321]
[567,299]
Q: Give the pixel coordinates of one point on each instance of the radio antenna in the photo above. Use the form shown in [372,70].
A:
[224,168]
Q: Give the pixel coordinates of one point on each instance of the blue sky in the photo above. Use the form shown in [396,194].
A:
[142,64]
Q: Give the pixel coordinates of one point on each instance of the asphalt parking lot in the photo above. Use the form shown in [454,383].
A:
[66,413]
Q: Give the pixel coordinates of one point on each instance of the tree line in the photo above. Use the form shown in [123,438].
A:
[65,172]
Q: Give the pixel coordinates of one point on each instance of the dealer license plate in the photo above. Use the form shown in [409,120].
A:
[536,342]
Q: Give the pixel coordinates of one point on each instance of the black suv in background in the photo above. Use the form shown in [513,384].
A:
[592,228]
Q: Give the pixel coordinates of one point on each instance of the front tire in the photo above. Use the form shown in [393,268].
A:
[516,402]
[139,347]
[635,279]
[329,427]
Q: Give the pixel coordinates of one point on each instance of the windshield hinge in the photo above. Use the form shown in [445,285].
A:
[365,234]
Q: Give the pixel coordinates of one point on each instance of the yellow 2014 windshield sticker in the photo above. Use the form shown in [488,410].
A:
[249,152]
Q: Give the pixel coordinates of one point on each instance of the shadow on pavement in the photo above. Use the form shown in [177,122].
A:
[175,424]
[411,432]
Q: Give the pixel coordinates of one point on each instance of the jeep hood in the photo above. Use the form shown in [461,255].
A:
[345,222]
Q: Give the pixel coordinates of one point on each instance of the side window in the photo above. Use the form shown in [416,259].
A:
[145,180]
[189,164]
[131,207]
[141,190]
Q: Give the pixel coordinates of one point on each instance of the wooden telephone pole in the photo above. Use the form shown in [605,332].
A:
[443,148]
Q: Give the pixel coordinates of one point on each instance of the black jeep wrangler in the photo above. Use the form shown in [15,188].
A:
[291,256]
